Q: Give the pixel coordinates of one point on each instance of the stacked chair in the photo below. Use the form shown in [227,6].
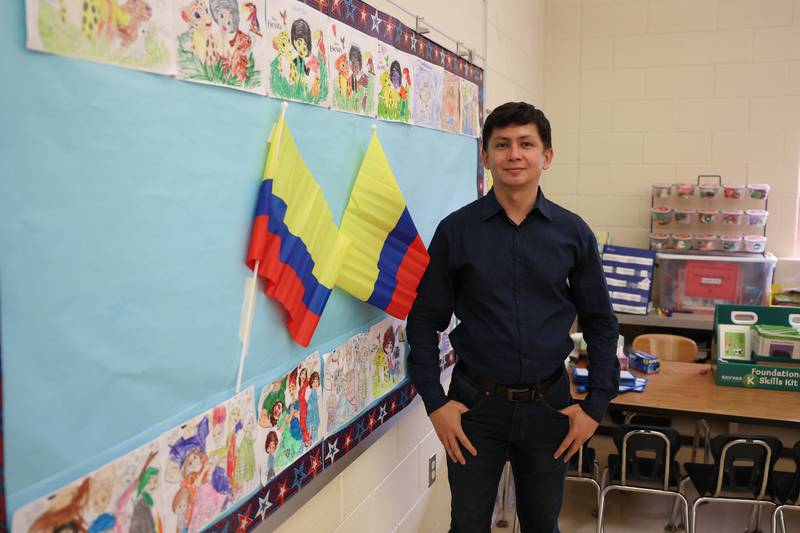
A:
[644,463]
[741,469]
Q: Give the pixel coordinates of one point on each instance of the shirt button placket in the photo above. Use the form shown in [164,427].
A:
[515,262]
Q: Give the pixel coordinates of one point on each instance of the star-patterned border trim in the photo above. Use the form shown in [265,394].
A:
[382,26]
[261,505]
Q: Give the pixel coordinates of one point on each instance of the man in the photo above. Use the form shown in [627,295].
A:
[515,268]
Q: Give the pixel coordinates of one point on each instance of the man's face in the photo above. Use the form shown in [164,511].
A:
[516,156]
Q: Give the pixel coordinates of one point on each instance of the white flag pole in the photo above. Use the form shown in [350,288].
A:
[248,305]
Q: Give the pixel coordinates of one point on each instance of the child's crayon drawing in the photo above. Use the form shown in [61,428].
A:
[395,75]
[451,111]
[346,386]
[122,496]
[128,33]
[387,345]
[221,42]
[469,108]
[297,56]
[427,95]
[290,418]
[353,79]
[210,464]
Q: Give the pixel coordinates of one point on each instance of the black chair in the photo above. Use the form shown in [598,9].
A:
[786,488]
[742,465]
[646,456]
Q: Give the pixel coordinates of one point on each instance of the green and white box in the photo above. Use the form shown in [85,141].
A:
[777,372]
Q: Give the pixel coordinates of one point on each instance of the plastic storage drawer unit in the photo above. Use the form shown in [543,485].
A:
[696,283]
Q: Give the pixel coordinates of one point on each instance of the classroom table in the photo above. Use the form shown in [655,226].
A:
[689,389]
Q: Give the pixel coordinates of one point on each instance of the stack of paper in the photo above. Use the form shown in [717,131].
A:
[627,381]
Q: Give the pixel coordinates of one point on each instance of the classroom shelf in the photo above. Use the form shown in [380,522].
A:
[701,321]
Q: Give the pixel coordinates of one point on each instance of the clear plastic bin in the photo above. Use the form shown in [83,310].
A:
[696,283]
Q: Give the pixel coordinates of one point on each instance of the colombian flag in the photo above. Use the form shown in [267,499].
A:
[386,258]
[293,238]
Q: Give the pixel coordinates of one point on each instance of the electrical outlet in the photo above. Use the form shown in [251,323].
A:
[431,469]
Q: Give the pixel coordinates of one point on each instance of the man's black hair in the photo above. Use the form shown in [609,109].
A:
[517,114]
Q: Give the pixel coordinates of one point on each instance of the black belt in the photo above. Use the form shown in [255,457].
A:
[531,393]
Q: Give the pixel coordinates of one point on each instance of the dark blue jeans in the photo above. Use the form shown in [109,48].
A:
[527,434]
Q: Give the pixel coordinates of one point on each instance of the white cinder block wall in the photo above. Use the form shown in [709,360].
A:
[385,489]
[663,90]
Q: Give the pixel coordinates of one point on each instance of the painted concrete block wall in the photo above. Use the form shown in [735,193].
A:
[642,91]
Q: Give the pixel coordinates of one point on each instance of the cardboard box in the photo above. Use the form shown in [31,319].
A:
[643,362]
[770,372]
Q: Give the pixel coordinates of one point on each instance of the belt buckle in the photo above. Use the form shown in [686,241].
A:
[527,390]
[537,394]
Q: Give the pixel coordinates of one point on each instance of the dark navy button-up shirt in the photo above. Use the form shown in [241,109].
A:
[516,290]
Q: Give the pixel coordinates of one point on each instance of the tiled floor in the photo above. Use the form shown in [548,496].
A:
[643,513]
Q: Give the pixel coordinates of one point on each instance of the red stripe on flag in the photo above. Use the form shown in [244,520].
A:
[408,276]
[282,282]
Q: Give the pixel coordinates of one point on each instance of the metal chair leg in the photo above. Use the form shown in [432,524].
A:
[673,525]
[754,524]
[778,517]
[601,511]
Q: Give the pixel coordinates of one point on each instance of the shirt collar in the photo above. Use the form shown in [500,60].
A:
[490,206]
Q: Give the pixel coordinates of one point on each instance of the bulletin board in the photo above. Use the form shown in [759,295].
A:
[126,201]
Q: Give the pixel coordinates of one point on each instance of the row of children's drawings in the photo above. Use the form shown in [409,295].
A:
[190,475]
[282,48]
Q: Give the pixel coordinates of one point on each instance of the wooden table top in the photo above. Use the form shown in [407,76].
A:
[689,389]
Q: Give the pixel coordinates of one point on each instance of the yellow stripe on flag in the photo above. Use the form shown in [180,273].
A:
[376,204]
[308,215]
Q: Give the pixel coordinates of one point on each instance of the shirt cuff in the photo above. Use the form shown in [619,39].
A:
[432,395]
[596,404]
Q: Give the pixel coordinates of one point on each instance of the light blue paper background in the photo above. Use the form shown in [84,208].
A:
[125,208]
